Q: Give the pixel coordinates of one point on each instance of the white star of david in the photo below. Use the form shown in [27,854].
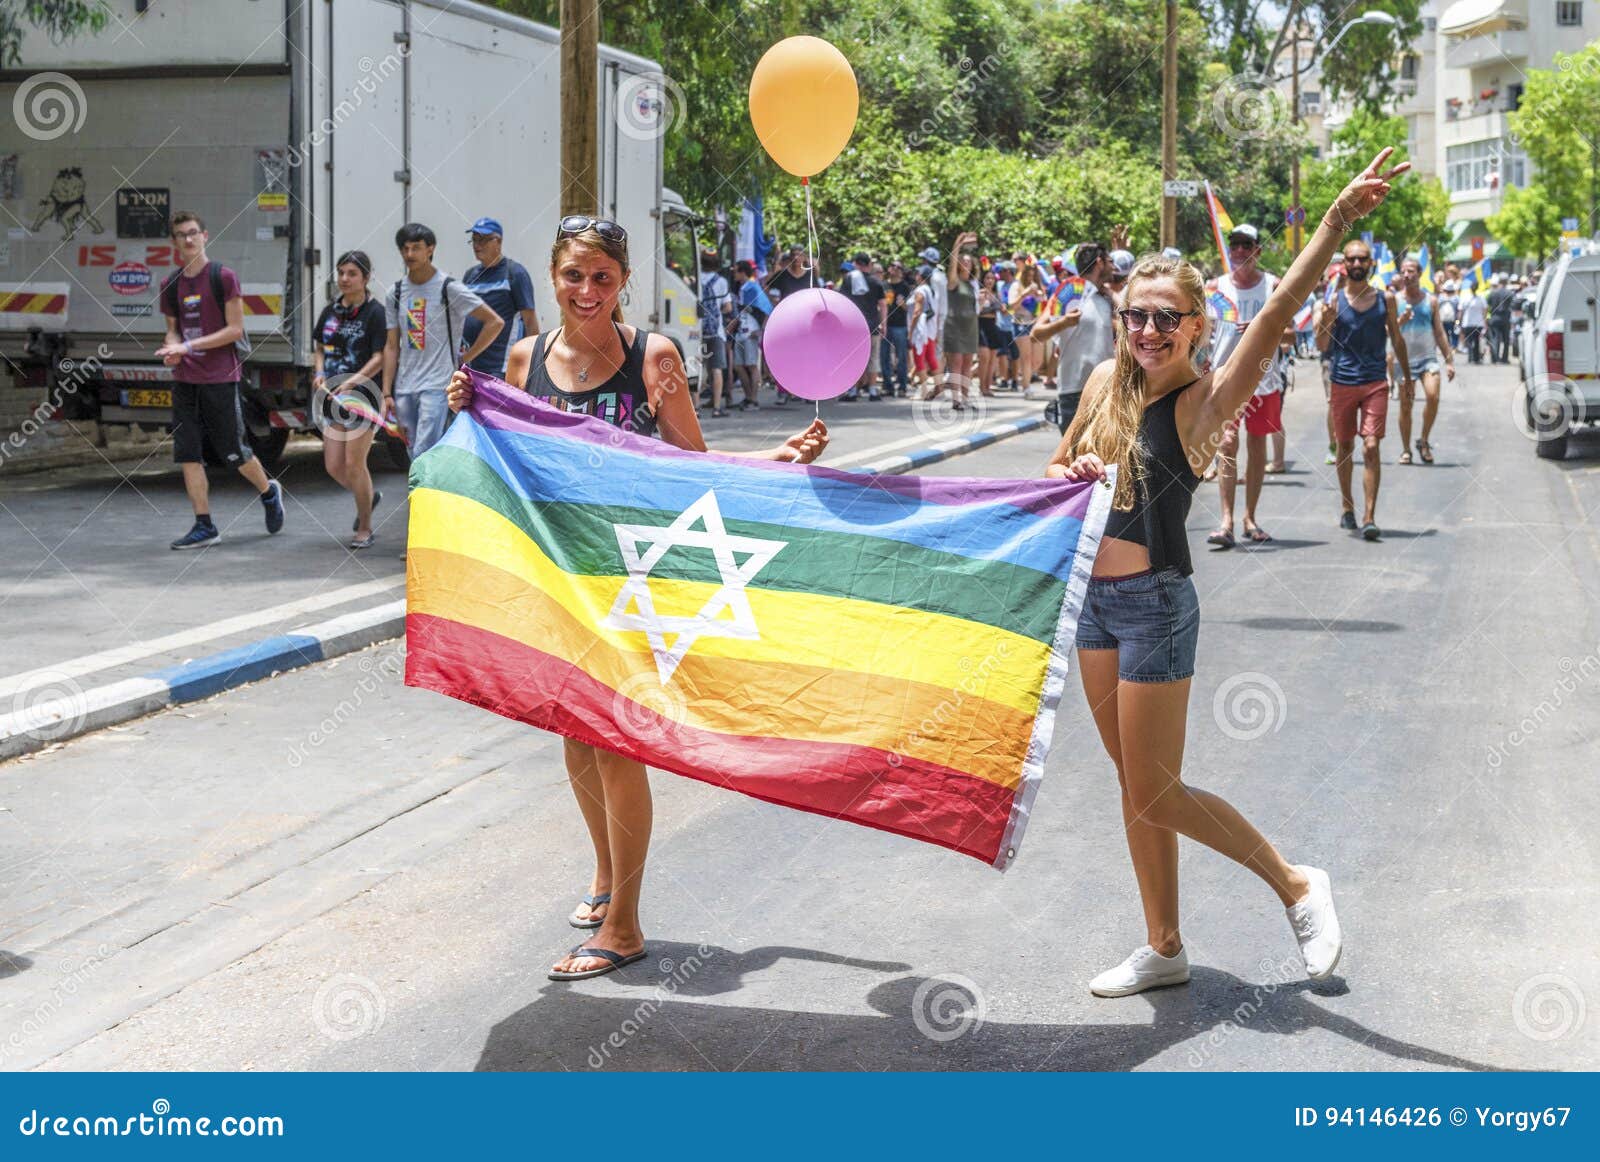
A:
[730,598]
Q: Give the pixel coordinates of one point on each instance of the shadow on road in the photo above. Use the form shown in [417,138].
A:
[1312,625]
[12,963]
[647,1020]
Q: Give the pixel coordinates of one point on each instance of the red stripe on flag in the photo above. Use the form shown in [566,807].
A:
[865,785]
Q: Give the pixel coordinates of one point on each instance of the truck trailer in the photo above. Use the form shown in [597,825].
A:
[297,130]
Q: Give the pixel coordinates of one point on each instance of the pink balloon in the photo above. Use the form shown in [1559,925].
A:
[816,343]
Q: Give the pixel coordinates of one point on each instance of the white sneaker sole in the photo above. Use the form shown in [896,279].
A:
[1326,973]
[1159,982]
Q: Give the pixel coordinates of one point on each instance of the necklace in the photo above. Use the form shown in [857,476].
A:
[583,372]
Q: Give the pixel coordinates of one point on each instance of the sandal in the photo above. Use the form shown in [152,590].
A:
[1425,450]
[1222,538]
[1405,455]
[1257,535]
[590,921]
[364,542]
[377,499]
[614,961]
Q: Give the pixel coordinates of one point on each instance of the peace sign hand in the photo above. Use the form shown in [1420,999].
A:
[1366,191]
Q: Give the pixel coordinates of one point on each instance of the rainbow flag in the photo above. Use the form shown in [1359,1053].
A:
[886,650]
[1069,290]
[1227,311]
[1221,226]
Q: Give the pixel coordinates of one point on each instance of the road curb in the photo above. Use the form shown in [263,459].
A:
[949,449]
[64,710]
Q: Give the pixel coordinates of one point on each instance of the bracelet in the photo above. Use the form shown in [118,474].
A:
[188,347]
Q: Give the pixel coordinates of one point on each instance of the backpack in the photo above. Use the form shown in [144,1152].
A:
[444,298]
[169,300]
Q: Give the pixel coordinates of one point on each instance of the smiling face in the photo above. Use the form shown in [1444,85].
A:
[588,282]
[1153,351]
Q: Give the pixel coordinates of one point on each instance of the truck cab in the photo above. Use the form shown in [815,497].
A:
[1561,386]
[679,310]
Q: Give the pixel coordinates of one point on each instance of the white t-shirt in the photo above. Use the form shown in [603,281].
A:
[1249,302]
[426,359]
[1473,310]
[1088,344]
[940,282]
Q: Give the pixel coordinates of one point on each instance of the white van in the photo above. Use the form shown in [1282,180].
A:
[1561,384]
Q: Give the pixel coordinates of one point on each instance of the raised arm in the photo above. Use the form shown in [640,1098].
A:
[1234,383]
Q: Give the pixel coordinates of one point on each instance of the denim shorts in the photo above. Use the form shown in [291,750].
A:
[1152,620]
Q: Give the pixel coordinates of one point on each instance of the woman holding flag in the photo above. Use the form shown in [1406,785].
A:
[350,334]
[595,364]
[1154,415]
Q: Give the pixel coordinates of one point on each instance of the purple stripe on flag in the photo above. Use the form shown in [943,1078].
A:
[498,405]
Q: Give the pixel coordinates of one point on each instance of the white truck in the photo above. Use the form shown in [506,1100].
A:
[297,129]
[1561,352]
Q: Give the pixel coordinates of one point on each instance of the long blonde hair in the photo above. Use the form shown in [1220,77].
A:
[1110,426]
[616,251]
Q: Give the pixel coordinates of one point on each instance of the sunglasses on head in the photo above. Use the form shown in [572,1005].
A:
[605,227]
[1166,321]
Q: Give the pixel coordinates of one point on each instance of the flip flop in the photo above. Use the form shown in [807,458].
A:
[1405,455]
[1275,471]
[1222,538]
[592,921]
[1258,535]
[364,542]
[1425,450]
[615,960]
[1370,531]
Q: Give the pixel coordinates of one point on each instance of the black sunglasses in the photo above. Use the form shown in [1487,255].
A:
[605,227]
[1166,320]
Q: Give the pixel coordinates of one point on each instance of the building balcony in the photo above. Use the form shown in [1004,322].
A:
[1468,126]
[1506,46]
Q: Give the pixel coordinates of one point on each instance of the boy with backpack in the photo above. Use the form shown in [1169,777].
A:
[427,311]
[205,323]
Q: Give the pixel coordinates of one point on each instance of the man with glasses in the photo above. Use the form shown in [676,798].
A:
[205,322]
[506,287]
[1356,329]
[1245,290]
[1087,338]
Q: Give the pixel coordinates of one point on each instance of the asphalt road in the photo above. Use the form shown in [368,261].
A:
[328,870]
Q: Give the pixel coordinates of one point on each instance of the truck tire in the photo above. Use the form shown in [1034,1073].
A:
[1551,447]
[268,446]
[1549,427]
[399,454]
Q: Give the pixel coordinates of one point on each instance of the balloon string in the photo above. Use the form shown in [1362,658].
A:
[811,231]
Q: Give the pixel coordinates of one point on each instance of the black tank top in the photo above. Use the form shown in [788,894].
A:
[621,400]
[1161,500]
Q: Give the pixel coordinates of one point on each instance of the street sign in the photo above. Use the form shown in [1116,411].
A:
[1180,189]
[1294,215]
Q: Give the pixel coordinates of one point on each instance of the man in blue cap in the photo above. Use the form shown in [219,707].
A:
[504,285]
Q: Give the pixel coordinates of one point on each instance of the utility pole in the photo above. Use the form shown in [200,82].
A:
[1169,128]
[580,66]
[1294,164]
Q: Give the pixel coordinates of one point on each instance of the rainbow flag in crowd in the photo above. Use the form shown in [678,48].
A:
[1221,226]
[886,650]
[1226,310]
[1069,290]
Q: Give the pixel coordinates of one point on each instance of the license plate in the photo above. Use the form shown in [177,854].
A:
[149,398]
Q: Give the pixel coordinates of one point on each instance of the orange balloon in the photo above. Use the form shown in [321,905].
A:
[803,103]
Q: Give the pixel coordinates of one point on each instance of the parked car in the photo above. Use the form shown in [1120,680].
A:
[1561,353]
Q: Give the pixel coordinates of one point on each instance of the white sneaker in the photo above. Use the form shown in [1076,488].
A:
[1144,969]
[1316,925]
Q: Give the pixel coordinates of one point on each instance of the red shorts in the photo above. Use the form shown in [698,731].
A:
[926,357]
[1263,415]
[1370,399]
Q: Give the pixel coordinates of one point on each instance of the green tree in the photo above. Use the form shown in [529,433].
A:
[1529,221]
[61,19]
[1415,212]
[1558,126]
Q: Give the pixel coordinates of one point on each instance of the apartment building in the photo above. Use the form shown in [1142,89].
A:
[1456,83]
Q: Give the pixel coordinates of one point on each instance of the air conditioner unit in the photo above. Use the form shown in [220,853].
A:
[1311,106]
